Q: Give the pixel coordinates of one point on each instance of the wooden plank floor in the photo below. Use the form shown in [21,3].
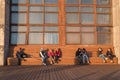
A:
[64,72]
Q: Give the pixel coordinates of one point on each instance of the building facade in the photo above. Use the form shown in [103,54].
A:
[66,24]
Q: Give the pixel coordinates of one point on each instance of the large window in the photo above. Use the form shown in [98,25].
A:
[38,22]
[81,22]
[88,22]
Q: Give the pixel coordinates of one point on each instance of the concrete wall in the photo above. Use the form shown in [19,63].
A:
[116,27]
[2,29]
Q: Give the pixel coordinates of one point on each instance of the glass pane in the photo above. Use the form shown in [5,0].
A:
[18,18]
[104,29]
[51,18]
[73,38]
[18,28]
[72,9]
[51,1]
[35,1]
[87,1]
[103,10]
[87,18]
[19,1]
[104,39]
[35,28]
[73,29]
[87,9]
[87,29]
[35,18]
[51,28]
[51,38]
[18,8]
[103,2]
[103,18]
[88,38]
[18,38]
[72,18]
[35,38]
[72,1]
[51,9]
[32,8]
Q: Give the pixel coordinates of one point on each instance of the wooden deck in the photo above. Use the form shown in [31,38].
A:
[68,72]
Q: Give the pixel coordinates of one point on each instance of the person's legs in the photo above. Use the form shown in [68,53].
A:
[103,57]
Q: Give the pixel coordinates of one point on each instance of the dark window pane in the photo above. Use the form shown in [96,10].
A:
[72,18]
[103,18]
[104,39]
[51,38]
[51,1]
[18,8]
[87,18]
[18,38]
[35,18]
[87,1]
[73,38]
[36,2]
[18,18]
[87,9]
[88,38]
[72,1]
[35,38]
[103,2]
[72,9]
[104,29]
[51,18]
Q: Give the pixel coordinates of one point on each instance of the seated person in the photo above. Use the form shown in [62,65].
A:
[109,54]
[101,55]
[85,56]
[79,55]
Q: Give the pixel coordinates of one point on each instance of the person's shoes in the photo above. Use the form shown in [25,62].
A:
[104,61]
[111,61]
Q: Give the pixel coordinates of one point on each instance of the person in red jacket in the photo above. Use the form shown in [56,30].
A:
[51,55]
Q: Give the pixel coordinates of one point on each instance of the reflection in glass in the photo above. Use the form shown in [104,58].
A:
[18,38]
[35,18]
[72,1]
[51,38]
[73,29]
[72,18]
[87,18]
[51,1]
[18,28]
[51,9]
[35,38]
[88,38]
[104,38]
[103,2]
[36,2]
[103,18]
[72,9]
[19,1]
[103,10]
[104,29]
[73,38]
[18,8]
[35,28]
[51,18]
[33,8]
[87,9]
[87,1]
[51,28]
[18,18]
